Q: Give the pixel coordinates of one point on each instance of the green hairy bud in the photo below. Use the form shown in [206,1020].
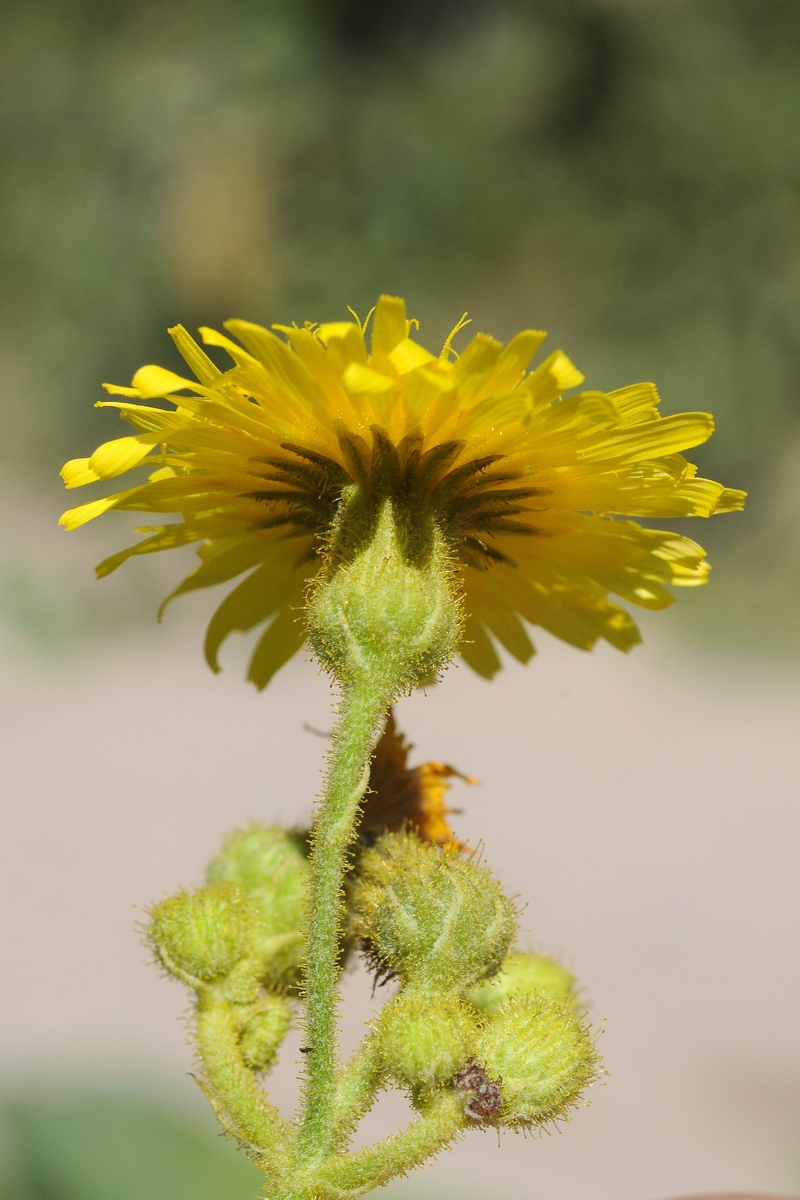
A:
[521,975]
[271,867]
[261,1037]
[201,936]
[386,608]
[541,1055]
[425,1040]
[436,920]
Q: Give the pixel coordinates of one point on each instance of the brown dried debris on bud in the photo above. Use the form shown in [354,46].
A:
[483,1096]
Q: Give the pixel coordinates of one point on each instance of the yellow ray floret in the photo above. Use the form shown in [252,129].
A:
[527,483]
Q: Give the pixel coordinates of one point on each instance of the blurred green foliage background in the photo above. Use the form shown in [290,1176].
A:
[112,1145]
[624,173]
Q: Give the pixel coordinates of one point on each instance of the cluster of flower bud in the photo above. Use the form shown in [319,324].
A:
[239,938]
[251,908]
[502,1030]
[270,865]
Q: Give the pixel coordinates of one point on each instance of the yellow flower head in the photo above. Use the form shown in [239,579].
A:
[523,481]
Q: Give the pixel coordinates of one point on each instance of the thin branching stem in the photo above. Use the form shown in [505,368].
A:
[440,1123]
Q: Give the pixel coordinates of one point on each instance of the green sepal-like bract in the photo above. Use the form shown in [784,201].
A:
[270,865]
[429,916]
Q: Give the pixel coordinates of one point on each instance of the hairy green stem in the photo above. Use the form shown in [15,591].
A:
[353,1174]
[364,705]
[356,1088]
[239,1102]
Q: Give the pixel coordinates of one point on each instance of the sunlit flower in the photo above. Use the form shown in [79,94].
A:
[400,796]
[525,481]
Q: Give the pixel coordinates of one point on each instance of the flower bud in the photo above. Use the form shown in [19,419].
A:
[265,1030]
[201,936]
[541,1055]
[386,607]
[521,975]
[425,1040]
[429,916]
[271,866]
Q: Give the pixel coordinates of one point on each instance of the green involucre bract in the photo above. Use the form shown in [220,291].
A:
[387,606]
[544,1056]
[424,1040]
[201,936]
[521,975]
[430,916]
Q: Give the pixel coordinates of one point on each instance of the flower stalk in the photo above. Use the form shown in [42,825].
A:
[363,710]
[384,617]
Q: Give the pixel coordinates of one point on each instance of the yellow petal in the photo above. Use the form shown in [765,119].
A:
[644,490]
[510,367]
[225,561]
[639,402]
[77,473]
[282,365]
[74,517]
[554,376]
[509,631]
[574,609]
[281,641]
[195,357]
[113,458]
[166,538]
[366,385]
[477,650]
[318,363]
[479,355]
[388,329]
[114,389]
[496,414]
[152,381]
[212,338]
[261,594]
[731,500]
[345,343]
[408,355]
[425,388]
[620,630]
[651,439]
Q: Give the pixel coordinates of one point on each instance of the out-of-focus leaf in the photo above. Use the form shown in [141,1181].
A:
[116,1147]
